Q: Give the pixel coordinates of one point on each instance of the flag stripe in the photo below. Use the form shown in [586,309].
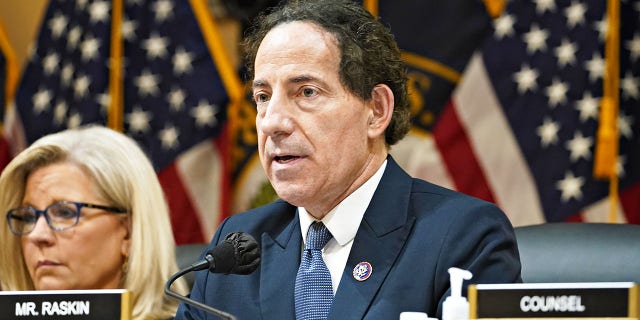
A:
[496,148]
[417,153]
[598,212]
[199,168]
[459,156]
[184,220]
[630,202]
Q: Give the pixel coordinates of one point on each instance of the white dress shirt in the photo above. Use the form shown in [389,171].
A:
[343,222]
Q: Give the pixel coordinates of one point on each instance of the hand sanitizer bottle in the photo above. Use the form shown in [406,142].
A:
[407,315]
[456,307]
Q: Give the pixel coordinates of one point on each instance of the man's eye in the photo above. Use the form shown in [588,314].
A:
[308,92]
[261,97]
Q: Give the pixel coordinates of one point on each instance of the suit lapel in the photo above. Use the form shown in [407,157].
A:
[281,257]
[380,238]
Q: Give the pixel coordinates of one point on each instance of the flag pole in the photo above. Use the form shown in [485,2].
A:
[495,7]
[372,7]
[607,136]
[11,66]
[116,109]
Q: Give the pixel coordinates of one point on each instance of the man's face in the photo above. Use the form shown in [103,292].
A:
[312,132]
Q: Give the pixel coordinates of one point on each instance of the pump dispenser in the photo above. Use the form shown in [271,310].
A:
[456,307]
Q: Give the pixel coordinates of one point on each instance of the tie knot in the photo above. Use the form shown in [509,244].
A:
[317,236]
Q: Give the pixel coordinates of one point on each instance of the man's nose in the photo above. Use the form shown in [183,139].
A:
[277,118]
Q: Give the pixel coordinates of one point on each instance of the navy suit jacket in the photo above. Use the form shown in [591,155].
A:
[411,234]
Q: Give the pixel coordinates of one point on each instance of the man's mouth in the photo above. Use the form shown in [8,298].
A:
[285,158]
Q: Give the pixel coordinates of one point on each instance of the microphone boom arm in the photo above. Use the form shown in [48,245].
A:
[239,253]
[169,292]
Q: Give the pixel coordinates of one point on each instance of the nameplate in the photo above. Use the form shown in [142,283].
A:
[66,304]
[554,300]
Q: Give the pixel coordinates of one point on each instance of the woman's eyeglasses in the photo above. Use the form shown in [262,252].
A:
[60,216]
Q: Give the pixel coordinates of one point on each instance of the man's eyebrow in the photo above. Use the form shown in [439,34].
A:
[308,78]
[302,78]
[297,79]
[258,84]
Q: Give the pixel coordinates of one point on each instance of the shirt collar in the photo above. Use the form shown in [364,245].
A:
[344,219]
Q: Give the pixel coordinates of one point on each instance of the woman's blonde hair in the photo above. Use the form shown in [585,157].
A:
[126,179]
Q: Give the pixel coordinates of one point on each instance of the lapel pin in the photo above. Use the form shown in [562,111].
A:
[362,271]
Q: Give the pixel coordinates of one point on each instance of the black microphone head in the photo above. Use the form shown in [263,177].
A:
[247,252]
[238,253]
[222,258]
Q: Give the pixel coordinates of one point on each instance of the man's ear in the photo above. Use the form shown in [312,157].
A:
[382,104]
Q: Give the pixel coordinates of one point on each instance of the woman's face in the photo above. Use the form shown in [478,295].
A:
[89,255]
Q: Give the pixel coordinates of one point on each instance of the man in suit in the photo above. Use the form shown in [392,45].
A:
[331,98]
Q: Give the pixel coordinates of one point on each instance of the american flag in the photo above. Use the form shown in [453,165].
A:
[521,128]
[174,88]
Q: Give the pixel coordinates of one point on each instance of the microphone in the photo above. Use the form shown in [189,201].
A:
[238,253]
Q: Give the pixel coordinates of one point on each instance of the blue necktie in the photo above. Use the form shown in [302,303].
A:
[313,293]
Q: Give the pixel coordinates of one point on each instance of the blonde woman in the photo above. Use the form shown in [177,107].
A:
[83,209]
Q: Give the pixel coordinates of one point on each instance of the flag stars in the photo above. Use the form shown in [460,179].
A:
[595,67]
[503,25]
[67,74]
[74,37]
[526,79]
[147,83]
[60,112]
[536,39]
[566,53]
[41,101]
[81,4]
[629,86]
[139,120]
[155,46]
[129,29]
[57,25]
[31,52]
[104,100]
[570,187]
[163,9]
[74,121]
[182,61]
[579,147]
[204,114]
[89,48]
[625,124]
[99,12]
[575,13]
[588,107]
[633,46]
[548,132]
[601,27]
[545,5]
[176,99]
[50,63]
[557,92]
[81,86]
[169,137]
